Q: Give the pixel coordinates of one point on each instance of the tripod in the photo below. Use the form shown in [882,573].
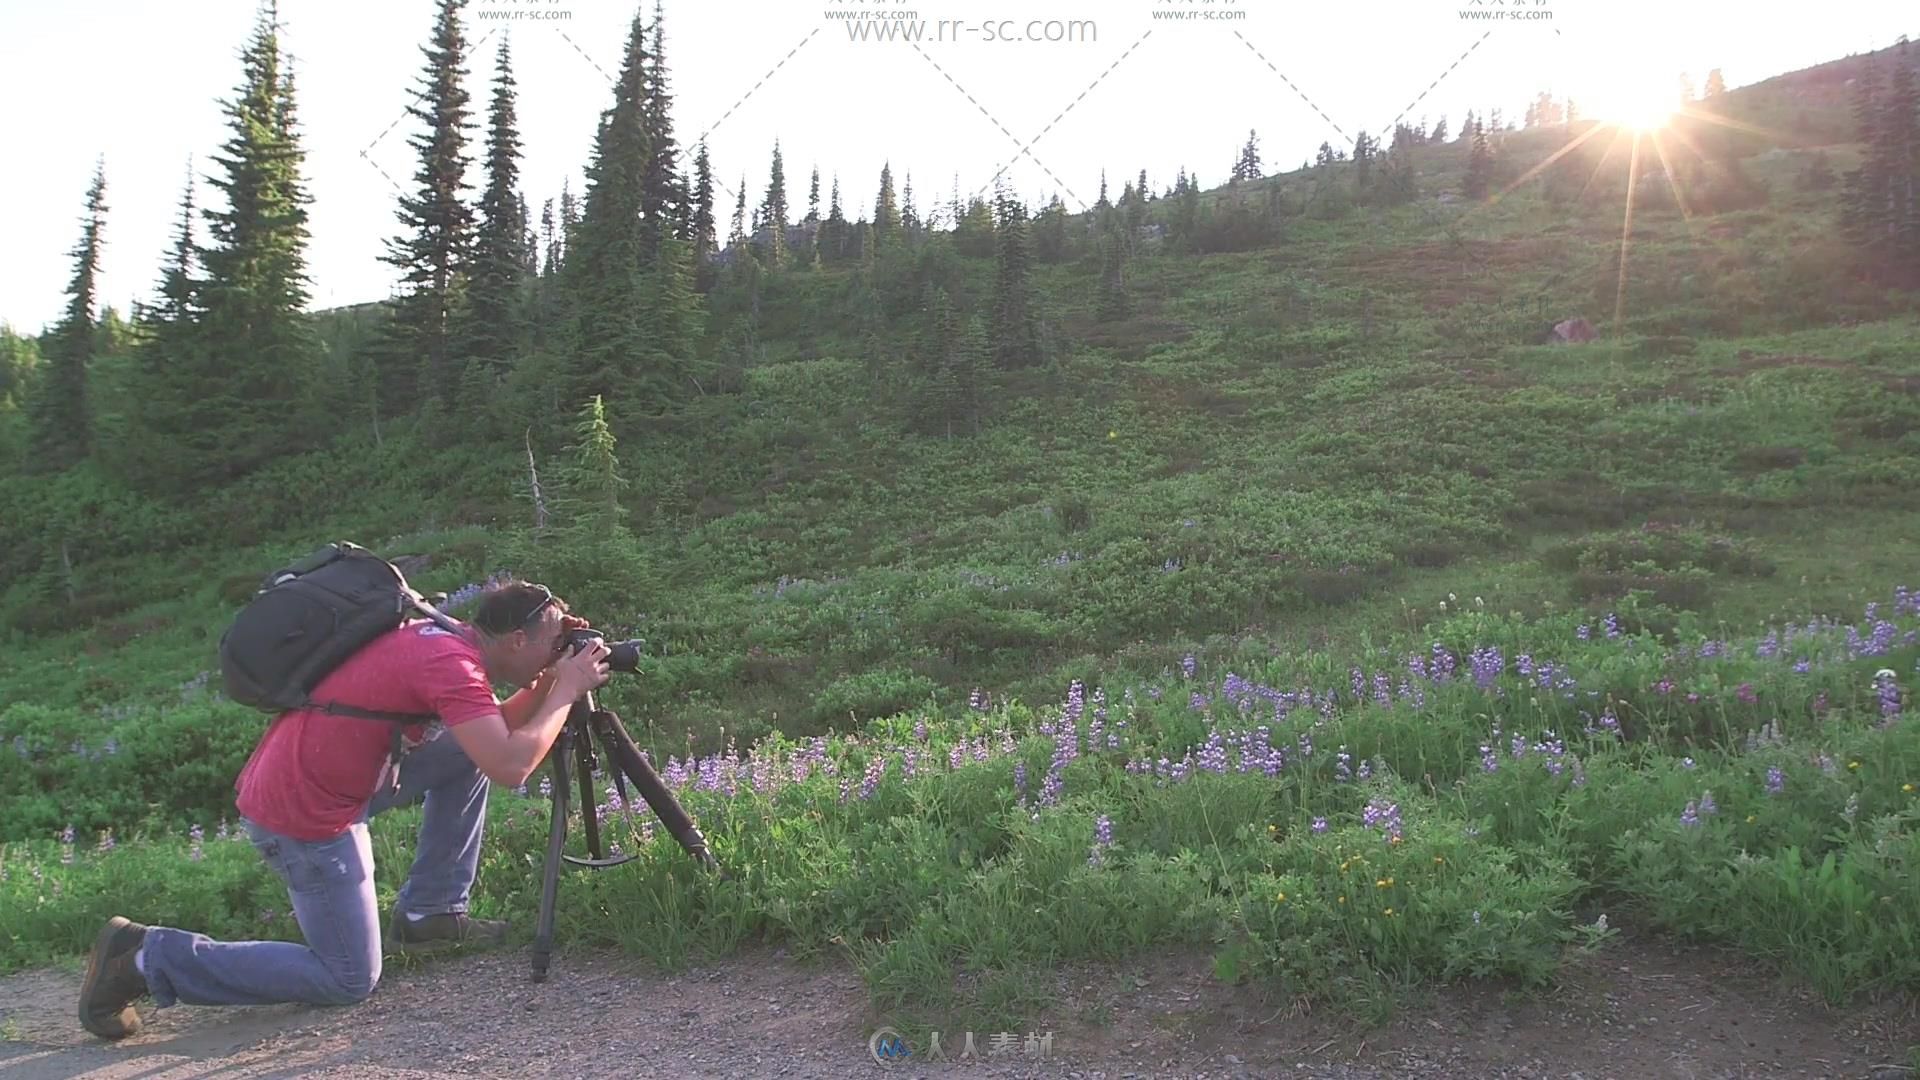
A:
[586,723]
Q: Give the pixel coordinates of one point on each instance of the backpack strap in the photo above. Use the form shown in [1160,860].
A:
[395,748]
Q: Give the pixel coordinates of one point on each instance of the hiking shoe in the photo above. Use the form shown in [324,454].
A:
[113,982]
[443,931]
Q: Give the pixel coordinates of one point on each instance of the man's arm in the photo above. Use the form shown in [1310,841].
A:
[526,701]
[507,751]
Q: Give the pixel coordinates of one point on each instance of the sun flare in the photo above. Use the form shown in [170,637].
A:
[1632,101]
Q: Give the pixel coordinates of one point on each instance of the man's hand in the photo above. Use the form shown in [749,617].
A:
[576,673]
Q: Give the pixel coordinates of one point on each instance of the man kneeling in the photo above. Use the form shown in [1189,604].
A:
[315,778]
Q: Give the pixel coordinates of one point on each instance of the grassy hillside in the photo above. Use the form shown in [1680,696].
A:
[1393,642]
[1299,444]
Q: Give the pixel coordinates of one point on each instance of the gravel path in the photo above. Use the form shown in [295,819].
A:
[1635,1012]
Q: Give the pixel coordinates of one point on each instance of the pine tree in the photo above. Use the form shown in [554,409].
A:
[909,214]
[813,199]
[737,232]
[1016,330]
[662,196]
[256,288]
[606,263]
[591,482]
[1479,177]
[175,436]
[434,251]
[772,215]
[1102,202]
[1716,84]
[1898,149]
[886,210]
[496,329]
[1247,165]
[61,424]
[1112,303]
[702,222]
[1050,232]
[1141,185]
[19,366]
[1364,147]
[1439,131]
[569,217]
[1864,191]
[833,237]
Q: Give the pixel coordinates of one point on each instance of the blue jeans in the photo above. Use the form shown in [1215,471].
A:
[331,885]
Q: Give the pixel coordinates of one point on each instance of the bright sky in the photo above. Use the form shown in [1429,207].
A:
[139,81]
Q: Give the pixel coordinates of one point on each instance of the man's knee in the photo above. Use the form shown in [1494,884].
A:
[352,987]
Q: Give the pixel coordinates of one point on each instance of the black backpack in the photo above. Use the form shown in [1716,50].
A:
[306,619]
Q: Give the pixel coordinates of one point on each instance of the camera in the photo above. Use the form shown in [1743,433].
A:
[622,656]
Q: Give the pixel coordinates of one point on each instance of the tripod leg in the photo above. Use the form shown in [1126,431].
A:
[556,842]
[589,806]
[673,816]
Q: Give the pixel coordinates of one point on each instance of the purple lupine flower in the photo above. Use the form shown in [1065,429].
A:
[1690,817]
[1383,814]
[1383,690]
[1319,824]
[876,768]
[1664,686]
[66,846]
[1365,770]
[1707,805]
[1802,667]
[956,754]
[196,837]
[1102,839]
[1050,787]
[1020,779]
[1359,685]
[1489,761]
[1188,665]
[1583,633]
[1776,780]
[1613,625]
[1341,771]
[1885,682]
[1686,763]
[1746,693]
[920,730]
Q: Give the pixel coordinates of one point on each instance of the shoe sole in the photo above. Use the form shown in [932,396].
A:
[97,962]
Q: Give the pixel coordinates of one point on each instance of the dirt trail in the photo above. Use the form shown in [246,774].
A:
[1635,1011]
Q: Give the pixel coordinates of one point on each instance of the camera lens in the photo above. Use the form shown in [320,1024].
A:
[624,656]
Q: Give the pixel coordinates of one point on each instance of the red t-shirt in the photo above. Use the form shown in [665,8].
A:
[313,772]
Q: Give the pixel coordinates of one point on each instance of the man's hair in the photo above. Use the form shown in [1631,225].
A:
[506,607]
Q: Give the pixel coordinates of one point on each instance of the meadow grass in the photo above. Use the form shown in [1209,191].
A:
[1435,808]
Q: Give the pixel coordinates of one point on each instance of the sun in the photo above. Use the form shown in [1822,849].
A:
[1631,100]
